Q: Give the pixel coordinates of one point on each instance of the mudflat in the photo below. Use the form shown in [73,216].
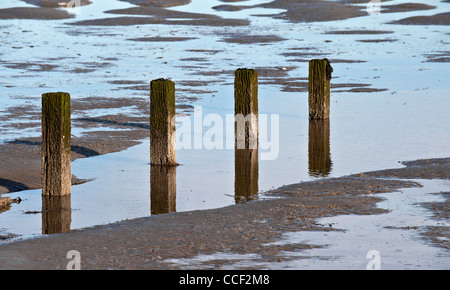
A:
[150,243]
[243,229]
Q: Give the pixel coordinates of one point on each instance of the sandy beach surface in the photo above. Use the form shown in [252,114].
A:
[247,236]
[288,227]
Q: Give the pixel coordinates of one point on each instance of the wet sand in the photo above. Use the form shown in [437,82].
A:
[158,3]
[241,229]
[159,15]
[296,12]
[34,13]
[437,19]
[311,10]
[54,3]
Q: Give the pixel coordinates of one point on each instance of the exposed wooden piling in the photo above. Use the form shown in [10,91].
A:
[162,112]
[319,157]
[246,108]
[56,129]
[163,189]
[319,88]
[246,174]
[246,134]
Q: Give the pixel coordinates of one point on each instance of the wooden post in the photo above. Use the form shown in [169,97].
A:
[163,189]
[56,128]
[246,134]
[246,174]
[246,108]
[162,111]
[319,157]
[319,88]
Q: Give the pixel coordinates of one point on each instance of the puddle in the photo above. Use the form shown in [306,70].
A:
[202,259]
[394,235]
[366,132]
[123,191]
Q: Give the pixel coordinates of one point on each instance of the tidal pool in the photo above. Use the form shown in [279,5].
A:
[389,102]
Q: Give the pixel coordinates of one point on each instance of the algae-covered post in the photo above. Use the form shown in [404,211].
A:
[246,108]
[319,88]
[162,128]
[56,128]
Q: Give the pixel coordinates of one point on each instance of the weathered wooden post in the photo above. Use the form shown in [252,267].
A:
[55,151]
[246,108]
[319,88]
[246,174]
[162,130]
[163,189]
[246,134]
[319,157]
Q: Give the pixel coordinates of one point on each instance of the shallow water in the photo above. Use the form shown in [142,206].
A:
[367,131]
[394,236]
[392,240]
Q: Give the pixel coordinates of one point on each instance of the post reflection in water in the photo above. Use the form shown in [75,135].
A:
[163,189]
[246,174]
[319,157]
[56,214]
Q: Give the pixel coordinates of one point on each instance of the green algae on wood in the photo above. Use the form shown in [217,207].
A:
[162,126]
[319,88]
[56,144]
[246,108]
